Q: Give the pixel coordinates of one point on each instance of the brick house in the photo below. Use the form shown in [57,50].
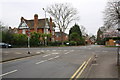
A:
[37,25]
[58,36]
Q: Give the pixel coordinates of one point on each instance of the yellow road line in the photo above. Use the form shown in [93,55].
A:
[77,71]
[83,69]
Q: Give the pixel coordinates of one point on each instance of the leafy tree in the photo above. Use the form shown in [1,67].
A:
[7,36]
[75,29]
[19,40]
[3,31]
[35,39]
[75,34]
[74,37]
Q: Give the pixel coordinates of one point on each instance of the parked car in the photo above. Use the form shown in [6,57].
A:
[5,45]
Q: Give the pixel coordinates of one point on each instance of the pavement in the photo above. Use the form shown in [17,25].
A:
[61,62]
[9,54]
[105,66]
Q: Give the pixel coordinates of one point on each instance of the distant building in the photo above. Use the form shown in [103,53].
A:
[37,25]
[58,36]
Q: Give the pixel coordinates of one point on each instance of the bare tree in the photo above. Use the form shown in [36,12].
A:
[112,13]
[83,30]
[3,27]
[63,15]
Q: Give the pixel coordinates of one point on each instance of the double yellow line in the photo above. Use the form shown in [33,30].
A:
[79,71]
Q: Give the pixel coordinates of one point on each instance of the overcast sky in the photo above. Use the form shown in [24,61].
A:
[90,11]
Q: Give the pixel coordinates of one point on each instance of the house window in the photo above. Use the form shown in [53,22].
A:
[23,31]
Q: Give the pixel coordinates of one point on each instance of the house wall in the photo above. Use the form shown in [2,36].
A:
[40,30]
[58,38]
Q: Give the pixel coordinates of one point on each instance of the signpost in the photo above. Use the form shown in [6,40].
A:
[28,34]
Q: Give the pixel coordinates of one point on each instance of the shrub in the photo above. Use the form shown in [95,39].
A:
[56,43]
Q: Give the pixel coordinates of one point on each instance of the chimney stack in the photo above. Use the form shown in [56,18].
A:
[35,22]
[51,25]
[22,18]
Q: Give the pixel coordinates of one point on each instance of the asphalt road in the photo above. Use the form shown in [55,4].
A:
[56,62]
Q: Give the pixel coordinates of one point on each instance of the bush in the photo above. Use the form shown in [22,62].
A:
[56,43]
[72,43]
[19,40]
[81,41]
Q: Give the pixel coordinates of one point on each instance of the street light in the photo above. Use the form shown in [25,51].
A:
[28,41]
[45,28]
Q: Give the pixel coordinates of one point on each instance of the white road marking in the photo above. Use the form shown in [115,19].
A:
[18,53]
[42,50]
[46,55]
[8,73]
[55,53]
[54,57]
[69,52]
[48,50]
[37,52]
[50,58]
[53,50]
[47,60]
[41,61]
[57,57]
[104,51]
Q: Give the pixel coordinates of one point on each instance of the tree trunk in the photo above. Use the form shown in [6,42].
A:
[62,40]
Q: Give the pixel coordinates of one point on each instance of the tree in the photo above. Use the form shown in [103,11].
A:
[83,30]
[19,40]
[75,29]
[63,15]
[74,37]
[35,39]
[112,13]
[3,32]
[75,34]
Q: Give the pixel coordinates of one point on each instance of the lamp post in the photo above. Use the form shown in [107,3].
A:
[118,50]
[28,41]
[45,28]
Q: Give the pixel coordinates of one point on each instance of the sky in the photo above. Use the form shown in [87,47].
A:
[89,11]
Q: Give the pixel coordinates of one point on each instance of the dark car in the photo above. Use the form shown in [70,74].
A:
[5,45]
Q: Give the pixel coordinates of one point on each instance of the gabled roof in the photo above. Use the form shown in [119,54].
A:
[41,23]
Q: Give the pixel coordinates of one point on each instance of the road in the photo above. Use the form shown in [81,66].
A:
[56,62]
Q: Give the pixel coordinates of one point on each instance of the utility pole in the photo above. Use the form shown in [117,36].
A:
[118,51]
[28,41]
[45,32]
